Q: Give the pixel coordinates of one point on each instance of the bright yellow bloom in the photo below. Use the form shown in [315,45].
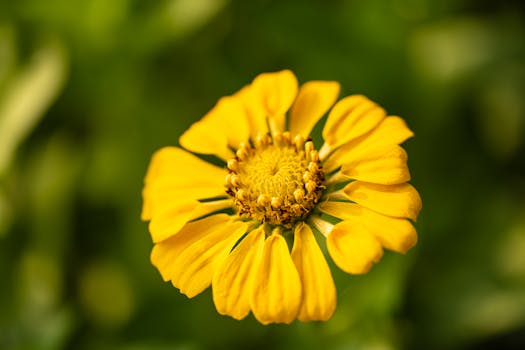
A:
[230,227]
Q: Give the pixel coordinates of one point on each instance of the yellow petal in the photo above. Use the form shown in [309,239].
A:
[226,124]
[319,297]
[275,93]
[170,220]
[195,265]
[165,252]
[277,288]
[353,248]
[164,192]
[391,131]
[233,280]
[233,120]
[393,233]
[400,201]
[312,102]
[181,165]
[175,175]
[255,115]
[206,138]
[350,118]
[385,166]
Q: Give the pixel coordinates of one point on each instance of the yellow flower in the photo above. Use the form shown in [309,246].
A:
[230,227]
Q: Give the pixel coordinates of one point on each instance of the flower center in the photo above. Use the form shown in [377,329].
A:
[276,180]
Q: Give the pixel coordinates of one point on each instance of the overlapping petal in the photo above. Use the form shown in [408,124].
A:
[165,252]
[387,166]
[175,175]
[225,125]
[312,102]
[353,248]
[351,117]
[256,116]
[233,281]
[195,265]
[319,297]
[171,219]
[391,131]
[402,201]
[190,258]
[393,233]
[274,93]
[277,289]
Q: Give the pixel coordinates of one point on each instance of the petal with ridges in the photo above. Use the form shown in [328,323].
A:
[172,169]
[319,296]
[395,234]
[386,166]
[233,280]
[165,190]
[165,252]
[170,220]
[164,193]
[175,175]
[195,265]
[391,131]
[312,102]
[353,248]
[226,124]
[157,203]
[350,118]
[231,119]
[206,137]
[256,116]
[402,201]
[180,165]
[275,93]
[277,289]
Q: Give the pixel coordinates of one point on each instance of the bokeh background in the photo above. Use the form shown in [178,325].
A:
[89,89]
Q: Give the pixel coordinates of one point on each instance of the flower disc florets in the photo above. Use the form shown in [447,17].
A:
[277,180]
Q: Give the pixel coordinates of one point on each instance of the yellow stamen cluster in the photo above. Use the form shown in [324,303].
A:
[276,179]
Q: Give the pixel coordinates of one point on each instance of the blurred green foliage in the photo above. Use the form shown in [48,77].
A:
[90,88]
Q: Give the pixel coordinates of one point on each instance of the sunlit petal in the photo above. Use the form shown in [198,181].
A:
[319,296]
[353,248]
[233,280]
[402,201]
[393,233]
[276,291]
[312,102]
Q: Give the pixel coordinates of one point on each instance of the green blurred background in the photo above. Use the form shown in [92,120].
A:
[89,89]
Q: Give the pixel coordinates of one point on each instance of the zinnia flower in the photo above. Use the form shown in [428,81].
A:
[247,228]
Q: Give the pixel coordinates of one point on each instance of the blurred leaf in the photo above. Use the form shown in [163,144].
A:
[186,16]
[42,323]
[450,48]
[40,318]
[510,257]
[27,97]
[501,110]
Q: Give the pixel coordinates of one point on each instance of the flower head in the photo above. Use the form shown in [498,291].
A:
[231,227]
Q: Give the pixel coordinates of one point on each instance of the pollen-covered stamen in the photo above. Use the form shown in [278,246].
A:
[276,180]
